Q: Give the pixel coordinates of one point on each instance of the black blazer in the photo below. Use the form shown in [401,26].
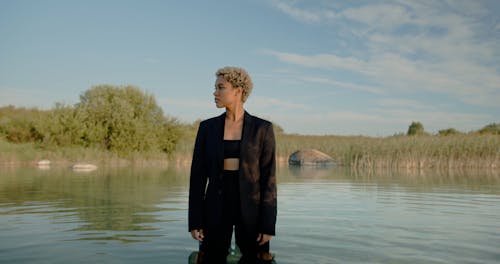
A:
[257,177]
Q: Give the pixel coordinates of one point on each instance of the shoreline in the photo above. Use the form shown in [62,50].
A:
[185,162]
[355,152]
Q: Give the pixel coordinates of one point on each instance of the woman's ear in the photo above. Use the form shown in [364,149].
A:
[239,91]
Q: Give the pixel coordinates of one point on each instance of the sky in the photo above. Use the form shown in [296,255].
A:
[318,67]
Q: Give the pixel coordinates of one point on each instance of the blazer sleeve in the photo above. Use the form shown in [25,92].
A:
[198,181]
[268,204]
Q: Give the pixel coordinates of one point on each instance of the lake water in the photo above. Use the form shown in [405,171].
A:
[137,215]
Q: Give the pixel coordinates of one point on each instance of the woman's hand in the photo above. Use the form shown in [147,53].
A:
[263,238]
[197,234]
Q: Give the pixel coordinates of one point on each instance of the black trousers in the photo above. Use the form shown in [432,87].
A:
[217,241]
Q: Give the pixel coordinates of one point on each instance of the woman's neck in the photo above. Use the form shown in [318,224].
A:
[235,114]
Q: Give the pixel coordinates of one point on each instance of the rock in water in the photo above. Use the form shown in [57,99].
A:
[43,163]
[310,157]
[84,167]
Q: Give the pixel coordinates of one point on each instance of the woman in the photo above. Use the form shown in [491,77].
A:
[235,154]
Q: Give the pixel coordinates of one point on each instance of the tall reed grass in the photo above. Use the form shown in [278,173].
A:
[454,151]
[463,151]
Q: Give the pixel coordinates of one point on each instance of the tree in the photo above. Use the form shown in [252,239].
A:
[493,128]
[61,126]
[19,125]
[416,128]
[124,119]
[448,132]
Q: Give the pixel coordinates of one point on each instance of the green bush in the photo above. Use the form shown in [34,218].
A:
[121,119]
[124,119]
[416,128]
[493,129]
[61,126]
[19,125]
[449,132]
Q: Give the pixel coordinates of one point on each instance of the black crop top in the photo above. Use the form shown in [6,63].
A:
[231,148]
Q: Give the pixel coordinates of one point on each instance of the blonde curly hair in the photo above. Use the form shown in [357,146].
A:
[238,77]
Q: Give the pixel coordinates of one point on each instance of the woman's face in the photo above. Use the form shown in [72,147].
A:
[225,94]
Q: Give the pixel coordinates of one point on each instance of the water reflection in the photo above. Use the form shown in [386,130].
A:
[325,215]
[125,199]
[414,180]
[338,215]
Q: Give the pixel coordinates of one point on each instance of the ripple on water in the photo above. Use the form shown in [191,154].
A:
[124,218]
[348,222]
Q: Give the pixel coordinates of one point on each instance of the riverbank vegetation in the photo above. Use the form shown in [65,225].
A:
[417,149]
[422,150]
[122,124]
[109,121]
[402,151]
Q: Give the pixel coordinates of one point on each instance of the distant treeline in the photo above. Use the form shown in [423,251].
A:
[120,119]
[416,128]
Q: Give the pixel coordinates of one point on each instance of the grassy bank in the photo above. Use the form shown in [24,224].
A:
[465,151]
[115,125]
[30,153]
[454,151]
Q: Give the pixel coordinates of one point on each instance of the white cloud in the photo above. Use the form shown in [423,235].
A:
[400,48]
[465,7]
[382,16]
[308,16]
[441,28]
[445,50]
[329,61]
[469,82]
[341,84]
[404,103]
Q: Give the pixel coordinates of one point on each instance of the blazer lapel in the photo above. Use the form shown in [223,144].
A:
[219,133]
[245,136]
